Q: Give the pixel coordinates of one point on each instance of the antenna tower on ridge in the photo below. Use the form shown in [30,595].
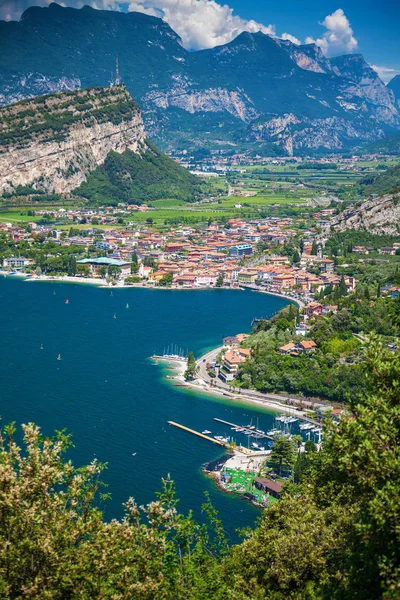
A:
[117,78]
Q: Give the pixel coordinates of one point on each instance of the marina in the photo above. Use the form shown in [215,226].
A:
[247,430]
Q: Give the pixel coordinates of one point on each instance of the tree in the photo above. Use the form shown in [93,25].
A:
[83,270]
[114,272]
[166,280]
[314,248]
[72,266]
[220,281]
[192,368]
[291,313]
[283,452]
[341,321]
[55,544]
[133,279]
[342,287]
[349,511]
[310,446]
[149,261]
[296,258]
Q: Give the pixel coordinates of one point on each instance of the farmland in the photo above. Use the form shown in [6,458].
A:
[249,191]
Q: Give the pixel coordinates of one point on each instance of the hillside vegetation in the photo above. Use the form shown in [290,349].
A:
[50,118]
[251,89]
[387,182]
[138,178]
[334,535]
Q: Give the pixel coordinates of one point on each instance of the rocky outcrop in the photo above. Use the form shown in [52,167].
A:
[52,143]
[214,100]
[20,86]
[368,85]
[330,133]
[380,216]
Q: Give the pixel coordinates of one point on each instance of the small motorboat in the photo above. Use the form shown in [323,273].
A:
[206,432]
[59,357]
[221,438]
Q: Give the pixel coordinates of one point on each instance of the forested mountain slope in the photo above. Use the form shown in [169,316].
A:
[254,90]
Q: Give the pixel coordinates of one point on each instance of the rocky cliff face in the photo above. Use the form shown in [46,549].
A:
[52,143]
[380,216]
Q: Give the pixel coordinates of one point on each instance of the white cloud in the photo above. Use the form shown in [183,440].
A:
[291,38]
[200,23]
[385,73]
[338,39]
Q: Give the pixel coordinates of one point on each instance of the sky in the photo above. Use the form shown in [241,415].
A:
[369,27]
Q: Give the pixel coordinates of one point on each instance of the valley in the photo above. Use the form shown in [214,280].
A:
[200,301]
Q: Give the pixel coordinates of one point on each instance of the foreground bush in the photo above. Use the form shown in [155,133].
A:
[336,535]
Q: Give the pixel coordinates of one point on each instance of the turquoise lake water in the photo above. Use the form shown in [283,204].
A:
[108,394]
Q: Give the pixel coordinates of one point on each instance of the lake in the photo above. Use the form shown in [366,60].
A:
[106,392]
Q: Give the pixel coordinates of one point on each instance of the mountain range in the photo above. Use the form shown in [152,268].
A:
[255,92]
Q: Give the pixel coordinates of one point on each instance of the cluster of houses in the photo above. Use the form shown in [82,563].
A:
[305,346]
[388,250]
[194,257]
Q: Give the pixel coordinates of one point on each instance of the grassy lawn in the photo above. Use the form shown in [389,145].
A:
[242,483]
[15,217]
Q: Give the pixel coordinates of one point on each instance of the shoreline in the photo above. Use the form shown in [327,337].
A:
[101,283]
[244,396]
[198,385]
[300,303]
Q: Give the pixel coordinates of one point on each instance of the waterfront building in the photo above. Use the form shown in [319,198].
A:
[95,265]
[247,275]
[274,488]
[17,262]
[230,367]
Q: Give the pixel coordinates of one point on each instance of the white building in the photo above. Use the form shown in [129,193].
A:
[17,262]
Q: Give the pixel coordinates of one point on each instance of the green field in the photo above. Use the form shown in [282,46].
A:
[274,186]
[242,483]
[16,217]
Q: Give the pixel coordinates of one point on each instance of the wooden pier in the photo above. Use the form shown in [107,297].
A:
[202,435]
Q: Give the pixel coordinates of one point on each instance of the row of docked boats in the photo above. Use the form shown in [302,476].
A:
[286,420]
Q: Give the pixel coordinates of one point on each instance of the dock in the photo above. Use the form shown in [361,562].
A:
[202,435]
[254,432]
[169,358]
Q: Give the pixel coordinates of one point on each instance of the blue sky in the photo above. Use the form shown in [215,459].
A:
[376,23]
[370,27]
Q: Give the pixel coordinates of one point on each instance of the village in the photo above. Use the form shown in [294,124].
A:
[238,254]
